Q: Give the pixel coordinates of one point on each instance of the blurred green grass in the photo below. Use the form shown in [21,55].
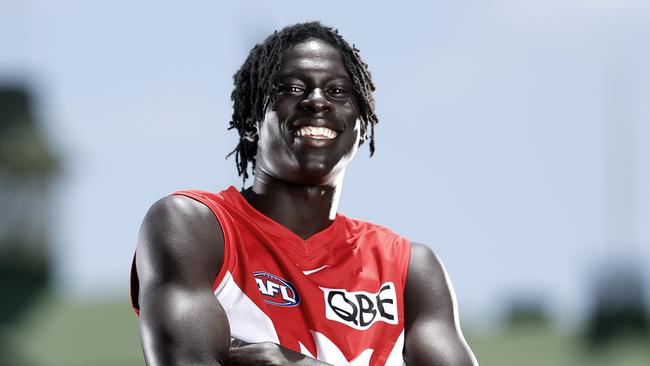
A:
[543,346]
[59,332]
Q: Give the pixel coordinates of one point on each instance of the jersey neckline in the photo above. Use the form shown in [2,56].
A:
[331,235]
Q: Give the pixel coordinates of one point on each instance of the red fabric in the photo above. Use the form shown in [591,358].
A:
[357,255]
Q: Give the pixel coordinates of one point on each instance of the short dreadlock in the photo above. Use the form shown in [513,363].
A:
[256,86]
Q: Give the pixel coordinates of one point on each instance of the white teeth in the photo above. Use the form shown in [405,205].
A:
[316,132]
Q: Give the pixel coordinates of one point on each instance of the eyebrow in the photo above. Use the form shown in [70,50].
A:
[286,75]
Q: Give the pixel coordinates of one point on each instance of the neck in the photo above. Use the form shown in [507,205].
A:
[303,209]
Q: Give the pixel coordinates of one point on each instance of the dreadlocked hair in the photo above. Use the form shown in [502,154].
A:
[256,86]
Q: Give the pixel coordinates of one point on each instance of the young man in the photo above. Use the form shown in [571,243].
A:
[273,275]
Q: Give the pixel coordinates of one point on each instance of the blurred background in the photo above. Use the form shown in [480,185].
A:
[514,139]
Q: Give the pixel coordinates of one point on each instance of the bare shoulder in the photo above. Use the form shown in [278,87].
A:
[176,212]
[423,257]
[179,237]
[427,282]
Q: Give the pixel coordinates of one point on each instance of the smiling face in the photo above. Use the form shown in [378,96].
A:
[313,130]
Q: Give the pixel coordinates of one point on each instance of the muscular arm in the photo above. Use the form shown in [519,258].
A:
[180,249]
[433,335]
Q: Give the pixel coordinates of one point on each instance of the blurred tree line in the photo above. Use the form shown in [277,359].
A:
[620,305]
[27,166]
[619,310]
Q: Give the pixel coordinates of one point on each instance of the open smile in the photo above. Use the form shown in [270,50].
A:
[318,133]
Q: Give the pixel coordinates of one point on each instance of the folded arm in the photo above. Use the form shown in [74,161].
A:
[267,353]
[180,250]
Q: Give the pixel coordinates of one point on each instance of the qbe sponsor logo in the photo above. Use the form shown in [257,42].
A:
[275,290]
[360,309]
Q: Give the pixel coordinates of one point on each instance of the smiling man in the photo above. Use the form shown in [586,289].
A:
[272,274]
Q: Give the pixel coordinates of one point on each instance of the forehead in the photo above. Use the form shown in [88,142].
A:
[313,56]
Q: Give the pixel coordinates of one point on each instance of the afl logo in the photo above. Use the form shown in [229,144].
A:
[275,290]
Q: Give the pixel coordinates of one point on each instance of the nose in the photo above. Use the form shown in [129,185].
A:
[316,102]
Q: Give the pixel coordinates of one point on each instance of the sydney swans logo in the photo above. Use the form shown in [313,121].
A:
[360,309]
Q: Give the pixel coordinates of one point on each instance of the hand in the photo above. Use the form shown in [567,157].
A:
[266,354]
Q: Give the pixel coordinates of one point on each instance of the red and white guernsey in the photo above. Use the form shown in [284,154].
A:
[336,296]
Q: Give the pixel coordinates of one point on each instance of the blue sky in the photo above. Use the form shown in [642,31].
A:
[513,135]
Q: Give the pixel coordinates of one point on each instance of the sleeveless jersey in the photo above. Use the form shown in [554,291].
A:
[336,296]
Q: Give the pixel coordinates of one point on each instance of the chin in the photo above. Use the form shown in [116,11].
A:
[305,169]
[315,176]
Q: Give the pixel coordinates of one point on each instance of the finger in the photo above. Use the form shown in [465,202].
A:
[236,343]
[244,356]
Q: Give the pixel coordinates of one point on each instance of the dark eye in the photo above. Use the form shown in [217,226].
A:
[336,91]
[291,89]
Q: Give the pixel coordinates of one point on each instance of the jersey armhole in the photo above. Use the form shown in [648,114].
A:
[406,263]
[406,260]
